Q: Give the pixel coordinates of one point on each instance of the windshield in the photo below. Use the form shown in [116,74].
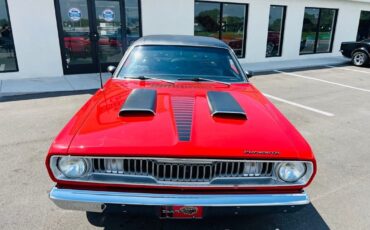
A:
[181,63]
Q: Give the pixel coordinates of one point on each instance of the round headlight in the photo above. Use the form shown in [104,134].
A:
[72,167]
[291,171]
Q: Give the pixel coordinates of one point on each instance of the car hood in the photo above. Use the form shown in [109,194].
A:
[265,133]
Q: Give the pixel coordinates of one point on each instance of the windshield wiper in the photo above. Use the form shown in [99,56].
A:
[204,79]
[150,78]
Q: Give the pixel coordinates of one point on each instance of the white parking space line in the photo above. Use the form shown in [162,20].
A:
[344,68]
[329,82]
[299,105]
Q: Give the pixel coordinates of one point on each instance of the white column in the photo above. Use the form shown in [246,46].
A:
[36,39]
[167,17]
[258,17]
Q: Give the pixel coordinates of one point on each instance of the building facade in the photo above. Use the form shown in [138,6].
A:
[47,38]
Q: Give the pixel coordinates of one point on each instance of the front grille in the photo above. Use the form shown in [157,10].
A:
[192,170]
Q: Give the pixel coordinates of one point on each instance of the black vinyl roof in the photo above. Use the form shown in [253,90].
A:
[181,40]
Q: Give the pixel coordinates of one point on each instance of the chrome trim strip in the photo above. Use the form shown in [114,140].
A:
[96,201]
[187,160]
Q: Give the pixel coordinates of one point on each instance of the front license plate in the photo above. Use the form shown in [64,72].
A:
[181,212]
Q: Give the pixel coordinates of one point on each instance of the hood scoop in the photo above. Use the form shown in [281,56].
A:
[140,102]
[222,104]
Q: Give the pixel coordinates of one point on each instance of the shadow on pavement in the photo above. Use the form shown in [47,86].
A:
[6,98]
[307,218]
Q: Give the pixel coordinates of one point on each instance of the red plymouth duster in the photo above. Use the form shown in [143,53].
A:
[180,132]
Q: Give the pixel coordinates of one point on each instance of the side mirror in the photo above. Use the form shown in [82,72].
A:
[111,69]
[249,73]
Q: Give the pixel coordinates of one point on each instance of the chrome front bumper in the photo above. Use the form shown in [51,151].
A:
[98,201]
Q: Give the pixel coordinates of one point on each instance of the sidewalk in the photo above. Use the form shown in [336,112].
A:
[80,82]
[67,83]
[262,67]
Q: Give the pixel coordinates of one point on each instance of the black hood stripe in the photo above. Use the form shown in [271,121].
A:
[224,104]
[140,101]
[183,112]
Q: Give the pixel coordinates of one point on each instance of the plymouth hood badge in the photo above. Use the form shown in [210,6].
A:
[261,152]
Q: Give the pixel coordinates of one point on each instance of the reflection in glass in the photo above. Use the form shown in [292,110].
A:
[311,17]
[326,30]
[227,24]
[233,27]
[364,26]
[207,18]
[76,32]
[181,63]
[317,32]
[132,20]
[275,31]
[108,21]
[7,51]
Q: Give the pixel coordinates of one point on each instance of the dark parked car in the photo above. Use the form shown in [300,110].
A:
[357,51]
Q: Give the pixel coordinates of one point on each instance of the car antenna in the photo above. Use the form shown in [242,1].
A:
[100,74]
[97,50]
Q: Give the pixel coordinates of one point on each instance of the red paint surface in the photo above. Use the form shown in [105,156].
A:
[98,130]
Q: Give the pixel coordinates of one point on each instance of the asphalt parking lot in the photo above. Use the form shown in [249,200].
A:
[330,106]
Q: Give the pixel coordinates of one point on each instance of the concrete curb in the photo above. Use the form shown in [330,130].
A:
[270,67]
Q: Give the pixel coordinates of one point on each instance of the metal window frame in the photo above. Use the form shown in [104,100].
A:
[282,32]
[246,15]
[318,30]
[15,53]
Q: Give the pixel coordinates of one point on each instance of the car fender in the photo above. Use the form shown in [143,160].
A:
[361,49]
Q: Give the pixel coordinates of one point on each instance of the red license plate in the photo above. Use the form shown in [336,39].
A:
[181,212]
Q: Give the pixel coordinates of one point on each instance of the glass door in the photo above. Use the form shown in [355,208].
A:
[95,33]
[76,36]
[109,30]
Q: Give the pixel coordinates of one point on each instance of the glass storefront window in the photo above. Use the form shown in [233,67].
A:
[275,31]
[310,21]
[225,21]
[327,23]
[133,28]
[364,26]
[207,19]
[233,27]
[8,60]
[318,30]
